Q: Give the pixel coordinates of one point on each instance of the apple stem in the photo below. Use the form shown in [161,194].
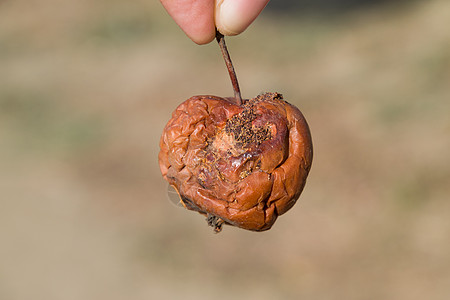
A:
[226,56]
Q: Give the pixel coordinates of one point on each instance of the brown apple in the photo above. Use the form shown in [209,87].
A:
[238,163]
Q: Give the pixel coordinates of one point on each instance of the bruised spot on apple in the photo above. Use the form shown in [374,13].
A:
[241,165]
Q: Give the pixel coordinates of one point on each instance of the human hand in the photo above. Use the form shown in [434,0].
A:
[200,18]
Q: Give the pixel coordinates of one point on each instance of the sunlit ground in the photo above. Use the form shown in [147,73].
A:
[86,88]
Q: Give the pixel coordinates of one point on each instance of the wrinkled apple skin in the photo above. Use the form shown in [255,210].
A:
[242,165]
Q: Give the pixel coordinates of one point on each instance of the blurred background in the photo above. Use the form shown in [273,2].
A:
[86,88]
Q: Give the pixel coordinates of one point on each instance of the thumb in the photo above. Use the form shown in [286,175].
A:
[234,16]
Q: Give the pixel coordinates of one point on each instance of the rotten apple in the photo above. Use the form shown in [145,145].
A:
[238,162]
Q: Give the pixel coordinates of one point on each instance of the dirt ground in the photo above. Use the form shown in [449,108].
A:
[86,88]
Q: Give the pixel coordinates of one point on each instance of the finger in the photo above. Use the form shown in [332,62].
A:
[195,18]
[234,16]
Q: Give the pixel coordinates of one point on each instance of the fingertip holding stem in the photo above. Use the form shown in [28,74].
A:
[194,17]
[200,18]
